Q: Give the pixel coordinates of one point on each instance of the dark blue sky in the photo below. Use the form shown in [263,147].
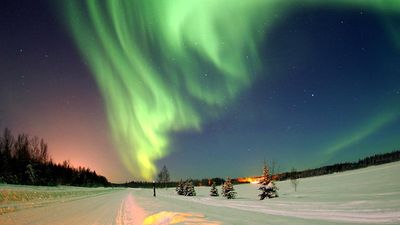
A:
[328,91]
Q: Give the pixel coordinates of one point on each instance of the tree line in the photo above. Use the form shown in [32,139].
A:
[163,181]
[162,184]
[340,167]
[25,160]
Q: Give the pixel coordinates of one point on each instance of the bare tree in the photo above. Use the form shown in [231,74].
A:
[6,143]
[22,151]
[163,176]
[43,152]
[293,178]
[34,148]
[273,169]
[66,164]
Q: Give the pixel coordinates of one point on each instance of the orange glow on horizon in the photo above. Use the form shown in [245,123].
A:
[255,179]
[252,180]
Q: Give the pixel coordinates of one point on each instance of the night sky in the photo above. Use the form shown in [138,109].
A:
[208,88]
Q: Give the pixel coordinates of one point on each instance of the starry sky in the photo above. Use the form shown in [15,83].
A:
[207,88]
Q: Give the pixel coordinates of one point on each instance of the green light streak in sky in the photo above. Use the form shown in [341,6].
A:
[165,66]
[363,132]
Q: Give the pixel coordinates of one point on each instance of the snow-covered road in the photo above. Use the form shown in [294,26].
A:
[100,209]
[114,207]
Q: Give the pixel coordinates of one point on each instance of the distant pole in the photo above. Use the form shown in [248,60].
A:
[154,188]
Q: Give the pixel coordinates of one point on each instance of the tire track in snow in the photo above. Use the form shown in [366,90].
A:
[130,213]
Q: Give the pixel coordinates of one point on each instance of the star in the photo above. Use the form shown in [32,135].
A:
[20,51]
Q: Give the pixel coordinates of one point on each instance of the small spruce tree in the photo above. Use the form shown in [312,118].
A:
[180,188]
[265,178]
[214,190]
[268,187]
[189,188]
[227,189]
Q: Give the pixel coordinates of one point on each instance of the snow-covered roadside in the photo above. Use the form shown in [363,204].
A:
[370,195]
[17,197]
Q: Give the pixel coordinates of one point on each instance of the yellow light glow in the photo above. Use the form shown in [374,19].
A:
[165,217]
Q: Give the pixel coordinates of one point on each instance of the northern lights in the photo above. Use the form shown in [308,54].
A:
[369,128]
[145,100]
[148,58]
[302,83]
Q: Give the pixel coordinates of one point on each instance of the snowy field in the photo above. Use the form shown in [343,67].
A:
[364,196]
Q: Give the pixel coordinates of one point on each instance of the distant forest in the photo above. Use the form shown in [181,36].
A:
[146,184]
[25,160]
[340,167]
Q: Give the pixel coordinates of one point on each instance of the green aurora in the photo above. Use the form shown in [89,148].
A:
[372,126]
[150,59]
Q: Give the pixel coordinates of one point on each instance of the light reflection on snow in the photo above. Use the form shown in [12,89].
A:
[130,213]
[166,217]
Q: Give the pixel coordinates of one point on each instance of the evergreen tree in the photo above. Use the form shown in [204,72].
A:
[214,190]
[268,187]
[227,189]
[189,188]
[31,174]
[180,188]
[265,178]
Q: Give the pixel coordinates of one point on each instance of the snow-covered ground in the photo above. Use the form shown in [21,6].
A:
[364,196]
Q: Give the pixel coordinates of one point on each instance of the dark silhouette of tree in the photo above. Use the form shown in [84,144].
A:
[6,161]
[26,161]
[293,178]
[43,152]
[163,176]
[218,181]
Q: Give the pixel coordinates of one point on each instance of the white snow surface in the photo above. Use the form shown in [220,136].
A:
[365,196]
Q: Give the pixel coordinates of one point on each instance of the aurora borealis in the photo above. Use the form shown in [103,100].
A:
[145,102]
[228,82]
